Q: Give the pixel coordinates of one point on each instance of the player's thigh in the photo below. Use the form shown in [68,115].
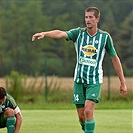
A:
[78,93]
[93,92]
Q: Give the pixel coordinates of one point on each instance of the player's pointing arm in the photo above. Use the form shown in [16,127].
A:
[50,34]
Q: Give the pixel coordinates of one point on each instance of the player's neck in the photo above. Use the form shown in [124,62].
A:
[92,31]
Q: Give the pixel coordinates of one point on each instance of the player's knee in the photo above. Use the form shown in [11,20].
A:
[9,112]
[88,113]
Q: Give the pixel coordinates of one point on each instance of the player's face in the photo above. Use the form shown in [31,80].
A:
[2,100]
[90,20]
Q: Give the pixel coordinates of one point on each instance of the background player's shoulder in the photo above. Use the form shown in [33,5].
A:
[9,97]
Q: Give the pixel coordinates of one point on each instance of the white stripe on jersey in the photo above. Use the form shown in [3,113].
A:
[100,71]
[76,48]
[100,65]
[82,68]
[94,73]
[88,39]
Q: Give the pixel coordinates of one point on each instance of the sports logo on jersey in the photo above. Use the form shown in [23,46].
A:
[89,50]
[96,42]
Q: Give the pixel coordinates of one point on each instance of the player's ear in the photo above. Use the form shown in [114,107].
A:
[98,18]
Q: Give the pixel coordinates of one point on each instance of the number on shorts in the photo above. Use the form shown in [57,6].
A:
[76,97]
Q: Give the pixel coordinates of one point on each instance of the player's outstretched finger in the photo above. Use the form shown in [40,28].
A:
[33,38]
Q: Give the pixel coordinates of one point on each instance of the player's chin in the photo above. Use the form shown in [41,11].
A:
[89,27]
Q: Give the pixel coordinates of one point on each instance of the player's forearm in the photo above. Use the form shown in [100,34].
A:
[18,123]
[55,34]
[118,68]
[50,34]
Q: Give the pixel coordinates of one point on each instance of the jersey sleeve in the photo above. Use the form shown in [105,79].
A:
[110,46]
[17,110]
[10,102]
[73,34]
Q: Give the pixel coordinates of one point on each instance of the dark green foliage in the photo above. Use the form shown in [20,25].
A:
[19,20]
[14,84]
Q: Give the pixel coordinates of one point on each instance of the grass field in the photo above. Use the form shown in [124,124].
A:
[66,121]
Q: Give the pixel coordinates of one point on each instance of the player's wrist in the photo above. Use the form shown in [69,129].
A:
[123,83]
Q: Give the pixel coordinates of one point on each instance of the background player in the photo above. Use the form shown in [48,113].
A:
[10,115]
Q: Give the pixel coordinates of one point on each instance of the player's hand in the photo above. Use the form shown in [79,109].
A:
[123,89]
[39,35]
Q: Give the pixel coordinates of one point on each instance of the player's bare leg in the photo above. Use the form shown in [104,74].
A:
[10,120]
[89,116]
[81,117]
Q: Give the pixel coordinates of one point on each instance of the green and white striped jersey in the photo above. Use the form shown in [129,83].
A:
[9,102]
[90,52]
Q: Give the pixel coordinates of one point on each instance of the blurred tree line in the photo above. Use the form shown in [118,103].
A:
[20,19]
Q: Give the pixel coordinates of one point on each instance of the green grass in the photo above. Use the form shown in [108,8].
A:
[63,100]
[66,121]
[40,104]
[69,106]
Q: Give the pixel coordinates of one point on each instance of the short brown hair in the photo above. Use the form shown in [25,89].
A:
[2,93]
[95,10]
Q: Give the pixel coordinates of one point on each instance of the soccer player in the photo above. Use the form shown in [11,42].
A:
[10,115]
[90,45]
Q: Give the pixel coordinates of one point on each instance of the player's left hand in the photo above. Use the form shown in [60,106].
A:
[123,89]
